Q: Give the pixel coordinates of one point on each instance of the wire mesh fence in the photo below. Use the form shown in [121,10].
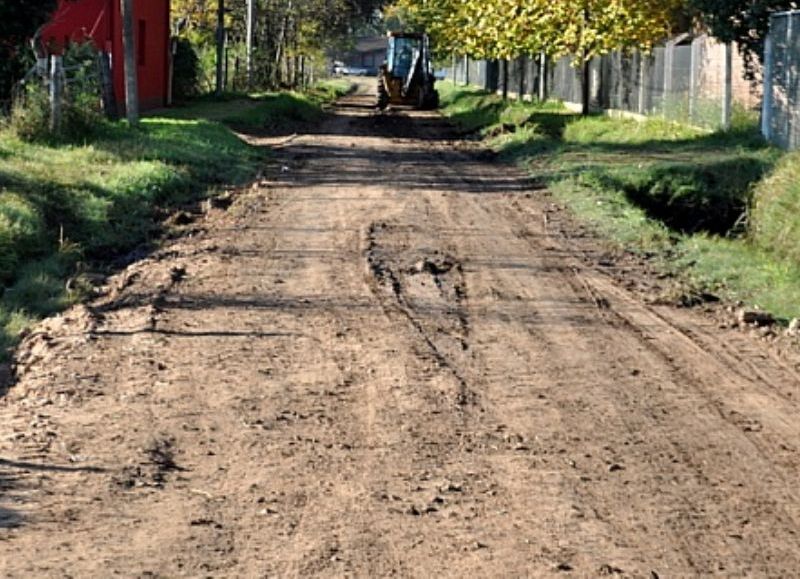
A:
[780,113]
[693,80]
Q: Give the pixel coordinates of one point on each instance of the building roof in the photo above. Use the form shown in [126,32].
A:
[371,44]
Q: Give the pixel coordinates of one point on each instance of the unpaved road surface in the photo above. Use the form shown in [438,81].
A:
[390,357]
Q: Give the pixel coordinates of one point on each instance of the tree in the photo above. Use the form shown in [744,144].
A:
[503,29]
[745,22]
[285,33]
[19,21]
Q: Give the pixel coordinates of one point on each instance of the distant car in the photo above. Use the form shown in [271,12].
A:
[354,71]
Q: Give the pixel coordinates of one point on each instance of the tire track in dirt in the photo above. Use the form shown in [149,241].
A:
[388,360]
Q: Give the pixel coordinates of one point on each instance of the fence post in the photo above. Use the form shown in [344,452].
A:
[669,55]
[693,64]
[466,69]
[42,64]
[107,85]
[643,64]
[766,102]
[521,70]
[56,92]
[727,95]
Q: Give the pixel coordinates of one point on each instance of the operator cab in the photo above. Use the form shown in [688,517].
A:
[402,52]
[407,75]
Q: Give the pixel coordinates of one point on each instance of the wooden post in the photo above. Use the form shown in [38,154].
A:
[107,84]
[56,93]
[131,72]
[727,94]
[466,69]
[220,47]
[521,63]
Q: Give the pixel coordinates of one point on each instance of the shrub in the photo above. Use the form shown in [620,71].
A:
[81,110]
[186,72]
[30,114]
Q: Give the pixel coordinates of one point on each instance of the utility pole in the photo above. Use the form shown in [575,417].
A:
[251,16]
[220,47]
[129,45]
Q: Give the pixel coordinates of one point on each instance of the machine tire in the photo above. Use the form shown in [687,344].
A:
[433,101]
[383,96]
[428,100]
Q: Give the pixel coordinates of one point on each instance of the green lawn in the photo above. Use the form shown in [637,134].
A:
[722,210]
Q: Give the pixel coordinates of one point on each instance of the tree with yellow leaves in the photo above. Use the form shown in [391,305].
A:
[504,29]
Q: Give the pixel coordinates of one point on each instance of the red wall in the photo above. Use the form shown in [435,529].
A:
[99,20]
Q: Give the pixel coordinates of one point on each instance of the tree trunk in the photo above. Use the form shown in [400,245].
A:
[586,67]
[131,72]
[586,86]
[504,64]
[251,14]
[220,46]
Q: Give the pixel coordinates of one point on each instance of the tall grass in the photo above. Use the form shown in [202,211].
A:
[775,220]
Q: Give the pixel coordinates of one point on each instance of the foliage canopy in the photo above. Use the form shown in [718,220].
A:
[745,22]
[507,28]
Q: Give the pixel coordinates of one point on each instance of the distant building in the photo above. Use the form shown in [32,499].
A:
[99,21]
[368,53]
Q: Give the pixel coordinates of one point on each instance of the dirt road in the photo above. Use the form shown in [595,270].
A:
[392,358]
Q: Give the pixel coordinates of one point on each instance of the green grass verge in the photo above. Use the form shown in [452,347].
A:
[722,209]
[267,110]
[62,206]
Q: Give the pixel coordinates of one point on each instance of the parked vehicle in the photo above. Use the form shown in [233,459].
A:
[407,77]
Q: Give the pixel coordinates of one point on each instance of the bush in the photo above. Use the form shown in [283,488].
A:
[30,114]
[186,79]
[81,110]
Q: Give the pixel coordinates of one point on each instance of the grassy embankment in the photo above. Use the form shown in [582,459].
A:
[720,210]
[68,208]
